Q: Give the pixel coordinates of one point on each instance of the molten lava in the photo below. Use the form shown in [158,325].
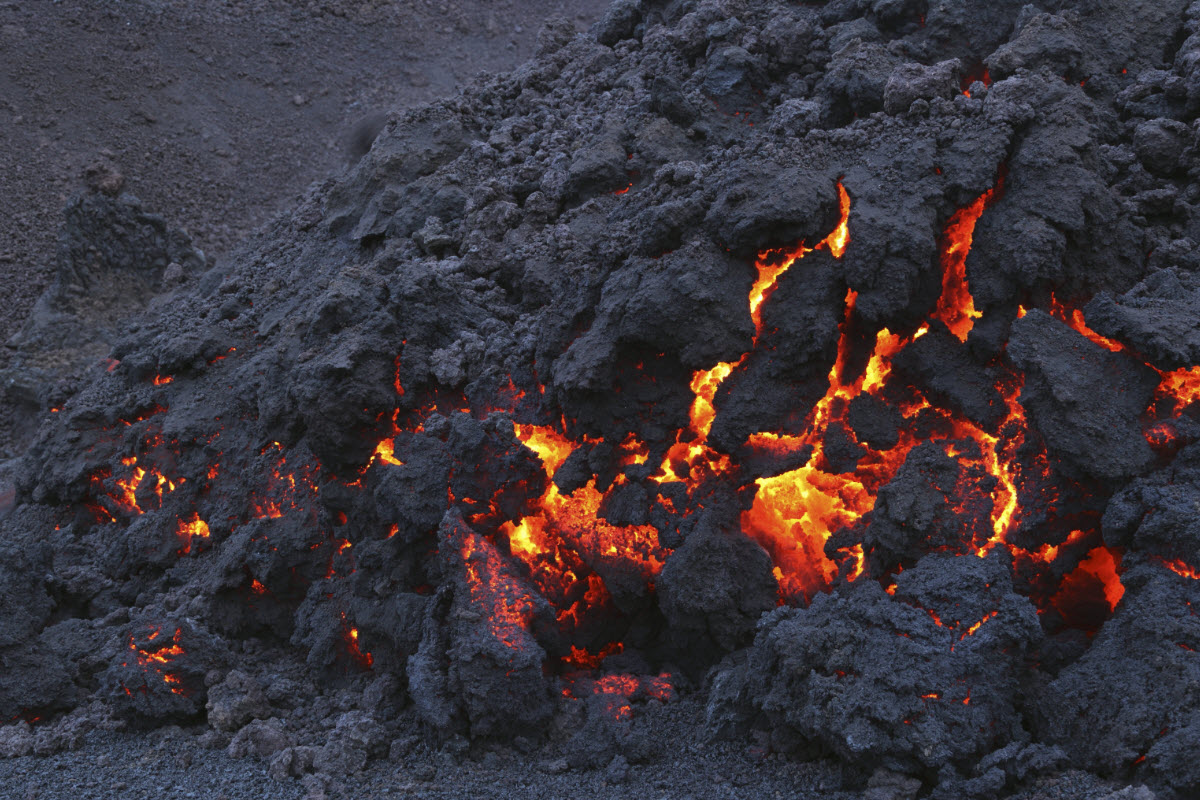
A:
[191,529]
[773,263]
[566,531]
[1179,388]
[794,514]
[956,307]
[1091,591]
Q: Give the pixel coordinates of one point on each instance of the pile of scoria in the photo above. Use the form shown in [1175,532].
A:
[832,363]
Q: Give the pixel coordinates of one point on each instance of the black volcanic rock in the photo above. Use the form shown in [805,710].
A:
[934,502]
[1157,513]
[940,365]
[1042,40]
[910,82]
[1085,400]
[1159,318]
[474,673]
[874,422]
[878,679]
[715,588]
[769,202]
[1132,694]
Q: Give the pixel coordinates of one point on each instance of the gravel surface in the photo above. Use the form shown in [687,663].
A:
[170,764]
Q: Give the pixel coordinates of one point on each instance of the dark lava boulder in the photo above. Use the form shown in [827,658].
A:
[910,82]
[1042,41]
[160,670]
[1157,514]
[479,668]
[1085,400]
[934,502]
[1159,318]
[1127,708]
[714,588]
[909,682]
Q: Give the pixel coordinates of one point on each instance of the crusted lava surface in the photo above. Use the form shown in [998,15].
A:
[833,365]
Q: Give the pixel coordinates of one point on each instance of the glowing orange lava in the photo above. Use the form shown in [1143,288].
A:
[574,519]
[795,513]
[1074,318]
[1182,387]
[771,264]
[1182,568]
[691,447]
[385,451]
[190,529]
[1096,576]
[956,307]
[360,656]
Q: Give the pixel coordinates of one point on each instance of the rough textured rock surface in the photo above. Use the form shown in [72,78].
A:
[680,345]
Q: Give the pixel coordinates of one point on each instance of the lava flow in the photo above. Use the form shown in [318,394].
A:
[691,445]
[156,658]
[565,543]
[795,513]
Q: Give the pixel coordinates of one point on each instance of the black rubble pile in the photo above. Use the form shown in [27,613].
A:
[833,364]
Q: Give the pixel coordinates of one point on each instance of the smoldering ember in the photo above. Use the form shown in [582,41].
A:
[829,367]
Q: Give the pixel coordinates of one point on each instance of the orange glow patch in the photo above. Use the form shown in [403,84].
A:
[1048,553]
[1181,387]
[1181,568]
[190,529]
[508,606]
[582,659]
[1074,318]
[360,656]
[619,690]
[771,264]
[1096,579]
[157,660]
[549,445]
[633,451]
[956,307]
[385,451]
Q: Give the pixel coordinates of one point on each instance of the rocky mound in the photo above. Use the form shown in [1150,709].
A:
[833,360]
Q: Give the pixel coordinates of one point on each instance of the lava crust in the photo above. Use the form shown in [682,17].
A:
[835,364]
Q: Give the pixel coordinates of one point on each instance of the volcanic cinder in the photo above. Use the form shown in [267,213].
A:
[835,364]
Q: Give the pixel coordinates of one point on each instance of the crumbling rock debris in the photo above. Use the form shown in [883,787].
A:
[261,738]
[835,362]
[235,702]
[911,82]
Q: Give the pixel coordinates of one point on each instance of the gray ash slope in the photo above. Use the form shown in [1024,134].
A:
[309,503]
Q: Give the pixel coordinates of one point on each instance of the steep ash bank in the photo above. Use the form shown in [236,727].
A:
[831,362]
